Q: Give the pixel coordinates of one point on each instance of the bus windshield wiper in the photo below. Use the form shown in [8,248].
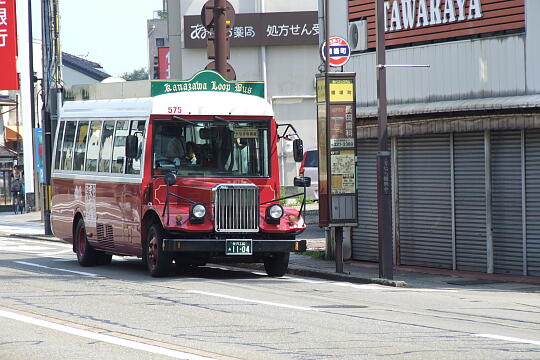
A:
[221,119]
[184,120]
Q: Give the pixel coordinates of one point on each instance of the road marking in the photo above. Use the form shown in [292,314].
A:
[102,337]
[57,269]
[252,300]
[508,338]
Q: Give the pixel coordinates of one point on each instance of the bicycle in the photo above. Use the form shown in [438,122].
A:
[18,202]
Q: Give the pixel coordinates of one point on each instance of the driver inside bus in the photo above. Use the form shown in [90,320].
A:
[175,150]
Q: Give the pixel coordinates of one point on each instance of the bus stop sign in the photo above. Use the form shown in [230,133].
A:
[340,51]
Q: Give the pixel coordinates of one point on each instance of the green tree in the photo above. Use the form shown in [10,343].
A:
[140,74]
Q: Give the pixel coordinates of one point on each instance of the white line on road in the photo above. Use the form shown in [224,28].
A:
[252,301]
[508,338]
[101,337]
[57,269]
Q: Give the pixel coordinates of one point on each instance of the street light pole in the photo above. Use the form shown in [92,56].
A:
[384,188]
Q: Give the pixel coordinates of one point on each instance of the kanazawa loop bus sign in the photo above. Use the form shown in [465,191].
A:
[340,51]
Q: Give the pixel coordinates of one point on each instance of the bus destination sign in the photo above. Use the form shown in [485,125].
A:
[207,80]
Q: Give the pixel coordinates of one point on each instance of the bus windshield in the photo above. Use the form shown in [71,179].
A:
[211,148]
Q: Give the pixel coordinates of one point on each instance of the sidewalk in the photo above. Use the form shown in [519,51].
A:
[30,225]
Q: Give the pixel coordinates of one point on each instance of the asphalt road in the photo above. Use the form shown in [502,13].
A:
[50,308]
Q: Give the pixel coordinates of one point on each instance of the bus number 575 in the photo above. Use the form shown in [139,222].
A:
[174,110]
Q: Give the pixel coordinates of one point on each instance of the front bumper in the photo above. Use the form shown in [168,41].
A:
[218,245]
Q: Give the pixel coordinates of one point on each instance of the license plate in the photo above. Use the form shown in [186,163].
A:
[238,247]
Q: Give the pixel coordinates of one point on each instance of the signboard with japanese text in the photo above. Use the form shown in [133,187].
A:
[164,62]
[336,129]
[8,46]
[279,28]
[207,80]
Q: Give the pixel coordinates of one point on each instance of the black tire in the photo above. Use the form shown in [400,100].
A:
[158,261]
[103,258]
[86,255]
[277,264]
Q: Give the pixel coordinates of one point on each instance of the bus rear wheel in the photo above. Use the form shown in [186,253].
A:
[276,265]
[158,261]
[86,255]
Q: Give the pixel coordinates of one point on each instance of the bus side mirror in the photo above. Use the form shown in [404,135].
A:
[132,146]
[302,181]
[170,179]
[298,150]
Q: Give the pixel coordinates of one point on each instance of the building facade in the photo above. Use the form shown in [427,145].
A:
[269,44]
[465,132]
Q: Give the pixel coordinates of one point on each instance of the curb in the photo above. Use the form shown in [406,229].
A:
[292,270]
[319,274]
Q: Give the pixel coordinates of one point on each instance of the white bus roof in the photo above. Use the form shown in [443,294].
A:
[191,103]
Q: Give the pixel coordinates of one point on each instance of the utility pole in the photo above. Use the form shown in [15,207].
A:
[51,93]
[220,36]
[384,187]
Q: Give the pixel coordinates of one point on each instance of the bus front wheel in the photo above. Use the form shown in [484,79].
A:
[86,255]
[157,260]
[276,265]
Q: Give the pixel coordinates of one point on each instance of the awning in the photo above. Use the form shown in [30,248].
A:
[484,104]
[11,133]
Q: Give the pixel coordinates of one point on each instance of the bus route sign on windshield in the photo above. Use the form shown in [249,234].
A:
[207,80]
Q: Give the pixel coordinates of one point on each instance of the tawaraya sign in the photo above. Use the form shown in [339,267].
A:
[414,21]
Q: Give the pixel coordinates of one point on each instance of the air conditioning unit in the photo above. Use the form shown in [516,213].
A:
[358,35]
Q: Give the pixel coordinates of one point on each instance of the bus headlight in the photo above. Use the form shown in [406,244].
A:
[197,213]
[273,214]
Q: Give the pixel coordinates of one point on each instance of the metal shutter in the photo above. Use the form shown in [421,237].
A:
[470,201]
[425,201]
[532,156]
[506,202]
[364,236]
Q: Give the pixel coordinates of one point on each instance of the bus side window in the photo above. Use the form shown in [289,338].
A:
[58,154]
[80,146]
[119,149]
[106,147]
[133,166]
[92,154]
[67,150]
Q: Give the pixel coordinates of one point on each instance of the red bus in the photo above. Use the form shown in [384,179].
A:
[183,178]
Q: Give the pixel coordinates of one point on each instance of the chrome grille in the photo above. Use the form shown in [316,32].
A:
[236,208]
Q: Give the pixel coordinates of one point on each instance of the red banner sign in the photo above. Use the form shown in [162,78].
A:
[164,63]
[8,46]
